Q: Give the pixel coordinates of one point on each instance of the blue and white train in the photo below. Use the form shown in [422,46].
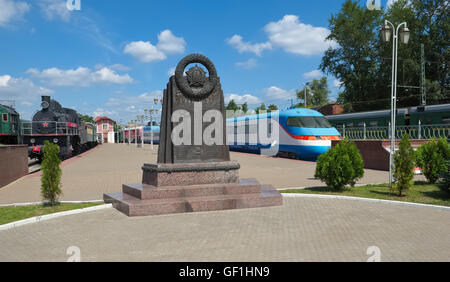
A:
[149,131]
[302,133]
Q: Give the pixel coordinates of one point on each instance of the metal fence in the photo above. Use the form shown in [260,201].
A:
[54,128]
[383,132]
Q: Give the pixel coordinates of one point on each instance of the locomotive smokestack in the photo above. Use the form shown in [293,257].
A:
[45,102]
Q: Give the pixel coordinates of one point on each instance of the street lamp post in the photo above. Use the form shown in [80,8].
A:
[305,84]
[142,135]
[146,117]
[135,132]
[386,31]
[129,132]
[151,121]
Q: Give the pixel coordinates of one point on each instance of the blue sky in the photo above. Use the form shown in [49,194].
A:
[113,57]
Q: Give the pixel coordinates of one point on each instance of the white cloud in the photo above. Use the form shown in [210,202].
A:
[169,43]
[55,9]
[116,67]
[313,74]
[81,76]
[249,64]
[128,107]
[337,83]
[241,99]
[171,71]
[146,52]
[296,37]
[109,76]
[10,11]
[237,42]
[82,25]
[140,101]
[21,90]
[102,112]
[289,34]
[276,93]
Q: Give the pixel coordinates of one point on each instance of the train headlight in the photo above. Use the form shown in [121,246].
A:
[32,141]
[55,140]
[45,105]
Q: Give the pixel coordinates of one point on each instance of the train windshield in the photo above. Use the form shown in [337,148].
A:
[308,122]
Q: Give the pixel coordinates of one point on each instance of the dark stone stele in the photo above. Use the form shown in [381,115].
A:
[196,177]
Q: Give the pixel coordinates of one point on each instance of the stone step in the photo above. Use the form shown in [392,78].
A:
[133,206]
[148,192]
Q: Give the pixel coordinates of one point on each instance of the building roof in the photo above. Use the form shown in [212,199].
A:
[9,109]
[97,119]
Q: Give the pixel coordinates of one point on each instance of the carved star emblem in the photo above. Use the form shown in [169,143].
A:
[45,124]
[196,76]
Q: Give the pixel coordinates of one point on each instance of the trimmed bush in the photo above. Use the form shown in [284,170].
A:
[431,158]
[340,166]
[444,148]
[404,165]
[51,173]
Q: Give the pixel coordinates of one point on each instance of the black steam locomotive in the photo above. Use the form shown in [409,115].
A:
[58,125]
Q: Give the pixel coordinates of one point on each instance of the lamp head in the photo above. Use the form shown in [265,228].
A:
[386,32]
[404,35]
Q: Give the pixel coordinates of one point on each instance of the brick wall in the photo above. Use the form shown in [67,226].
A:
[13,163]
[375,153]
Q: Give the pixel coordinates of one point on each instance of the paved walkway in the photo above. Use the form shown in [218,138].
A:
[107,167]
[303,229]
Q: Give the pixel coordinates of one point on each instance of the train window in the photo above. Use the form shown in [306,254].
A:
[5,117]
[294,121]
[323,122]
[374,123]
[308,122]
[446,120]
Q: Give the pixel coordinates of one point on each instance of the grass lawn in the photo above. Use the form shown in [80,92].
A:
[10,214]
[421,192]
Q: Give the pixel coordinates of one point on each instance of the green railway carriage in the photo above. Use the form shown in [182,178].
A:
[9,125]
[435,114]
[91,132]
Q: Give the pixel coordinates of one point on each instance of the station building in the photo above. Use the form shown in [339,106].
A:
[105,129]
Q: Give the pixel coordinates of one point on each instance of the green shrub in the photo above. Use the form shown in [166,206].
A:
[340,166]
[404,165]
[431,158]
[51,173]
[444,185]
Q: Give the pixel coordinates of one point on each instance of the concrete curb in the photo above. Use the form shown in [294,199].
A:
[305,187]
[40,203]
[320,196]
[51,216]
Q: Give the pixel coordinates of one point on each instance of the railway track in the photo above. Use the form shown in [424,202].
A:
[33,166]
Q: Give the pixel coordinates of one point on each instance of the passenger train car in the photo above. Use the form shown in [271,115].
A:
[9,124]
[434,114]
[134,134]
[302,133]
[149,132]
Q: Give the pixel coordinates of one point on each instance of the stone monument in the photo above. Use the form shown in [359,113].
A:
[193,171]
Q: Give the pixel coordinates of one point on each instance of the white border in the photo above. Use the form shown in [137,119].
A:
[321,196]
[40,203]
[51,216]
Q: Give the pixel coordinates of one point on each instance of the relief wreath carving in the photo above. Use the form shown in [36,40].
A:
[195,85]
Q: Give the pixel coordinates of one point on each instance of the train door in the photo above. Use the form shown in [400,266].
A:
[408,117]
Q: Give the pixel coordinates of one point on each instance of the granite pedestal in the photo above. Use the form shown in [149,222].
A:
[194,187]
